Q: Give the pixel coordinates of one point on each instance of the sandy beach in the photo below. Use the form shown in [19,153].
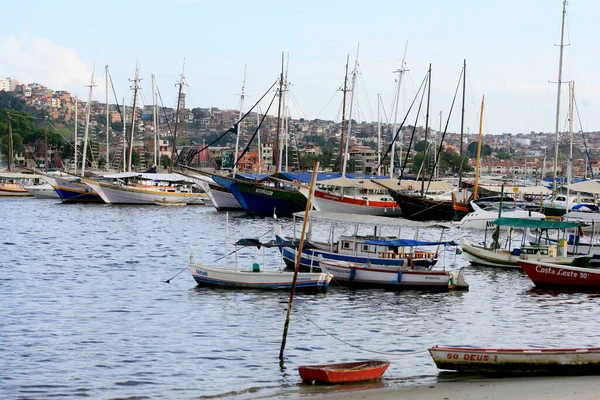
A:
[563,388]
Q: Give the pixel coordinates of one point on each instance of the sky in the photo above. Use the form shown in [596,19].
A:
[510,48]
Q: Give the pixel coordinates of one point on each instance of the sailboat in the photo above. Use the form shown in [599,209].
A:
[71,188]
[422,207]
[272,194]
[551,208]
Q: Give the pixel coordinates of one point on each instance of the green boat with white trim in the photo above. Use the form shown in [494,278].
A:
[509,257]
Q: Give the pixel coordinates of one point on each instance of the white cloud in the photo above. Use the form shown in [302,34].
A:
[40,60]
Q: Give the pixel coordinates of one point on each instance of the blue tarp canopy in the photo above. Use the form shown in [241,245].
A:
[404,243]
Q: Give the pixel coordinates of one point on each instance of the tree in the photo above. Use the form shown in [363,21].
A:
[486,150]
[165,161]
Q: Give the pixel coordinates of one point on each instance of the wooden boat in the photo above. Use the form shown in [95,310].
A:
[548,275]
[493,256]
[344,372]
[12,184]
[42,191]
[255,278]
[376,250]
[266,196]
[419,208]
[145,188]
[499,361]
[397,278]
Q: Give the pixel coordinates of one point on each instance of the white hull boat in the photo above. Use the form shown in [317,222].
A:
[481,218]
[205,275]
[528,361]
[393,277]
[43,191]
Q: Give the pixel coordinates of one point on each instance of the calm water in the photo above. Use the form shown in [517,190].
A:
[86,311]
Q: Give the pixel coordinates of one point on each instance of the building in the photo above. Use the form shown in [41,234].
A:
[8,84]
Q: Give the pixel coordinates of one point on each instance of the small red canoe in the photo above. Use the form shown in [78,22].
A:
[344,372]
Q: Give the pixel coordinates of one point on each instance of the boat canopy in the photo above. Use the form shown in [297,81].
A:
[271,243]
[535,224]
[372,220]
[574,216]
[149,176]
[405,243]
[585,187]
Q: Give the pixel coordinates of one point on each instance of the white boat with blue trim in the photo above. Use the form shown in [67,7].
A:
[376,249]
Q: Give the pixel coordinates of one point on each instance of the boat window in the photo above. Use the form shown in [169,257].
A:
[365,247]
[346,245]
[560,198]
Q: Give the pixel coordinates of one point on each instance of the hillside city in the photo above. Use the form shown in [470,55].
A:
[513,155]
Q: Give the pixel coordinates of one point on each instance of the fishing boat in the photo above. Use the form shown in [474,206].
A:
[548,275]
[343,372]
[354,196]
[220,197]
[396,278]
[266,196]
[12,184]
[72,189]
[527,361]
[145,188]
[494,255]
[256,277]
[377,250]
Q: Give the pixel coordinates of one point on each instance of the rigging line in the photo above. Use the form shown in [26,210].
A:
[356,346]
[441,146]
[255,131]
[360,77]
[403,121]
[587,150]
[412,136]
[296,103]
[164,111]
[233,129]
[326,104]
[116,100]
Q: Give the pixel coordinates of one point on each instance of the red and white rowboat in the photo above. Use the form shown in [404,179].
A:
[344,372]
[497,361]
[561,276]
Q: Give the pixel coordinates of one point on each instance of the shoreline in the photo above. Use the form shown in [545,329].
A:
[513,388]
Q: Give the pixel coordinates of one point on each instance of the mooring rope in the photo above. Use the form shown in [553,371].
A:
[356,346]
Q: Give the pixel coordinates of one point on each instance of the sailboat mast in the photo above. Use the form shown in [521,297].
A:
[154,120]
[379,133]
[478,164]
[75,133]
[10,141]
[87,124]
[352,92]
[570,162]
[124,136]
[46,144]
[559,82]
[424,164]
[106,163]
[238,127]
[344,113]
[462,124]
[276,152]
[174,149]
[400,73]
[133,110]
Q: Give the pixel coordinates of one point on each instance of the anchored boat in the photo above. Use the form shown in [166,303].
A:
[500,361]
[344,372]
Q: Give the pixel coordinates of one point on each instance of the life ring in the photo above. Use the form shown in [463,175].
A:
[410,187]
